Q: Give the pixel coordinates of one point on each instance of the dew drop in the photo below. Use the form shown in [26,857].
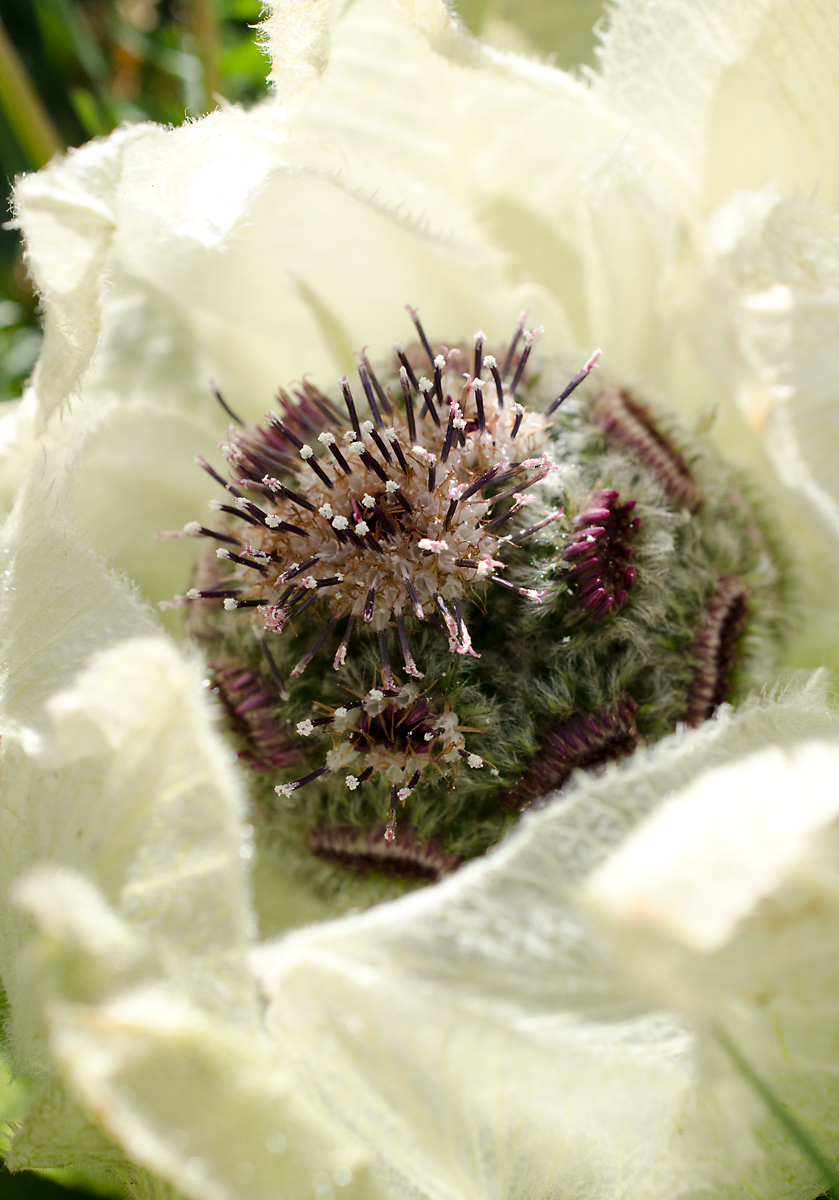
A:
[198,1168]
[276,1143]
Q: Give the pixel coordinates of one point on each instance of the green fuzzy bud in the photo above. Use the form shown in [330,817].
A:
[424,620]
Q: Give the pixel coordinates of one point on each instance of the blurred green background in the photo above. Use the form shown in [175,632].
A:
[71,70]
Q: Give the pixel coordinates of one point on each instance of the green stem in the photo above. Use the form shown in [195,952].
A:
[22,105]
[205,31]
[781,1113]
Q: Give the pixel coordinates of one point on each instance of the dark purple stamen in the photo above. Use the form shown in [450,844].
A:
[368,605]
[313,649]
[205,466]
[479,351]
[383,450]
[370,462]
[368,392]
[234,416]
[340,460]
[385,657]
[272,666]
[496,375]
[409,370]
[529,339]
[575,383]
[377,387]
[341,652]
[414,598]
[350,403]
[274,485]
[519,330]
[409,404]
[412,312]
[526,533]
[394,441]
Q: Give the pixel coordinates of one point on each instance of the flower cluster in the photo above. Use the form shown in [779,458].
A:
[470,577]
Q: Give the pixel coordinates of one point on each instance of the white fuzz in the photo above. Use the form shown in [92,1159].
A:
[230,603]
[325,510]
[326,438]
[306,452]
[222,553]
[304,728]
[351,782]
[367,500]
[339,522]
[192,528]
[475,761]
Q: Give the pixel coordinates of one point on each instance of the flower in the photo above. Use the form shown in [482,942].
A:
[552,1016]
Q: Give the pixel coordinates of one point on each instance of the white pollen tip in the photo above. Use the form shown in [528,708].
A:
[429,737]
[309,582]
[367,500]
[391,486]
[361,528]
[273,521]
[193,594]
[403,375]
[339,522]
[285,789]
[192,528]
[349,436]
[489,361]
[351,782]
[304,728]
[398,347]
[593,361]
[430,544]
[325,510]
[375,695]
[340,712]
[326,438]
[216,506]
[475,761]
[306,452]
[518,409]
[230,603]
[479,336]
[426,385]
[440,362]
[403,794]
[366,427]
[222,553]
[478,383]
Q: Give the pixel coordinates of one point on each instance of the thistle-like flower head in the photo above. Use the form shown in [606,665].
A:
[454,578]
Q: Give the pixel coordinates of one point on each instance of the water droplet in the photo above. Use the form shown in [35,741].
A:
[276,1143]
[243,1172]
[342,1176]
[179,1140]
[198,1168]
[246,851]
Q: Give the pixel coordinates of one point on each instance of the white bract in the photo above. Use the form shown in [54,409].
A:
[545,1022]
